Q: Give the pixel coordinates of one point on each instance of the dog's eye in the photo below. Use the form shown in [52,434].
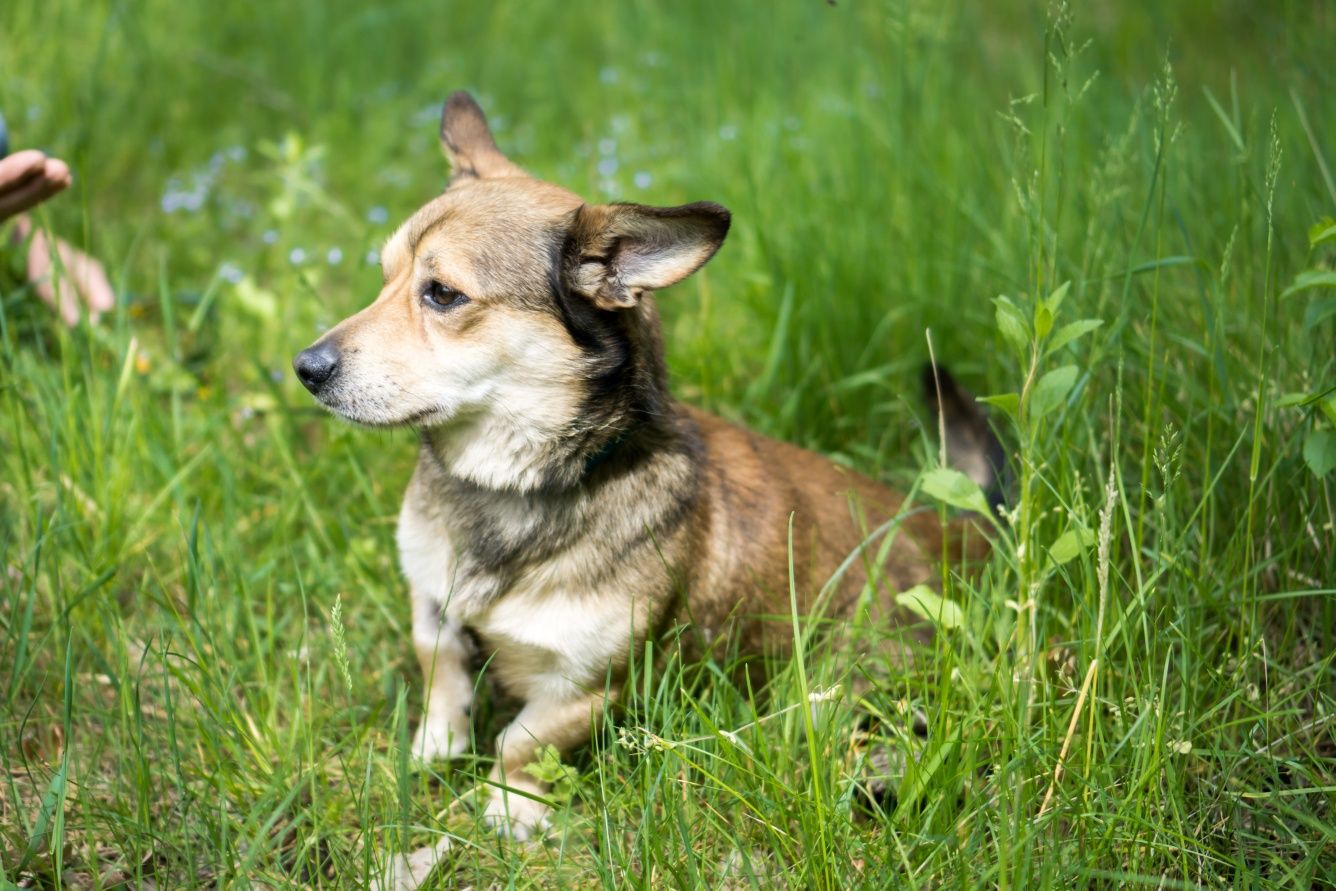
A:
[442,296]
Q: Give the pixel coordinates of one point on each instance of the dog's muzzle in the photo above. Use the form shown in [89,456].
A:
[316,364]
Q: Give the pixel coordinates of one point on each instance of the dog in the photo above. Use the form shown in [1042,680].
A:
[565,507]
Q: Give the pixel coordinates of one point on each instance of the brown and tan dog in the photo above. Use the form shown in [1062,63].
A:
[565,506]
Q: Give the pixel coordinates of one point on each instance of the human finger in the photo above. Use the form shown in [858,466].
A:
[57,172]
[60,293]
[89,277]
[32,192]
[20,166]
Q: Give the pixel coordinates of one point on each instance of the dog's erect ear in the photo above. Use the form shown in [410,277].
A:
[620,251]
[467,141]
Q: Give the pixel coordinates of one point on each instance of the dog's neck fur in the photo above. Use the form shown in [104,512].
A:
[513,495]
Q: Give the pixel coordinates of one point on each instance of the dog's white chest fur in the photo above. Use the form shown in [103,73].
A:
[549,636]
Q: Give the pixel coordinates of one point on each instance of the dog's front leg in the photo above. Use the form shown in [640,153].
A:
[563,723]
[443,652]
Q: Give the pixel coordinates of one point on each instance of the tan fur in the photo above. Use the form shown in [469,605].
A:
[565,507]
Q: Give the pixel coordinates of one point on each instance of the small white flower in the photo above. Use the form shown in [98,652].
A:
[728,132]
[270,236]
[372,257]
[377,215]
[642,179]
[297,256]
[607,146]
[334,256]
[230,272]
[609,75]
[607,167]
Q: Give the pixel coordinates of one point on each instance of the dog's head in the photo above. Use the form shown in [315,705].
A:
[506,301]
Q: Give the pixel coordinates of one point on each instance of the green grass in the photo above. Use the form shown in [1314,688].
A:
[181,703]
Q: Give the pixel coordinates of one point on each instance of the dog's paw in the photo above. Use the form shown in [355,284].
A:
[438,740]
[408,872]
[515,816]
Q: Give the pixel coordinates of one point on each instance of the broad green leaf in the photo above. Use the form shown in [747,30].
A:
[1052,388]
[928,604]
[1043,321]
[1328,407]
[547,767]
[1055,299]
[1072,330]
[954,488]
[1007,402]
[1011,324]
[1311,278]
[1323,230]
[1320,451]
[1291,399]
[1326,403]
[1318,312]
[1070,544]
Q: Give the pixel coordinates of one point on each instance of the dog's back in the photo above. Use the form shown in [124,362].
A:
[841,521]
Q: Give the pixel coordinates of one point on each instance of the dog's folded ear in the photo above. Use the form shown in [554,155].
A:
[617,252]
[467,141]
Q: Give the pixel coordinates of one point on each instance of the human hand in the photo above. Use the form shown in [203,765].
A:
[28,178]
[82,279]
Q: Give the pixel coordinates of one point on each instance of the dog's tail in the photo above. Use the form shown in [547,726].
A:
[971,445]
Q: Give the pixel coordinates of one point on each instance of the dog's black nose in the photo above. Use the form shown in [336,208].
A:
[316,364]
